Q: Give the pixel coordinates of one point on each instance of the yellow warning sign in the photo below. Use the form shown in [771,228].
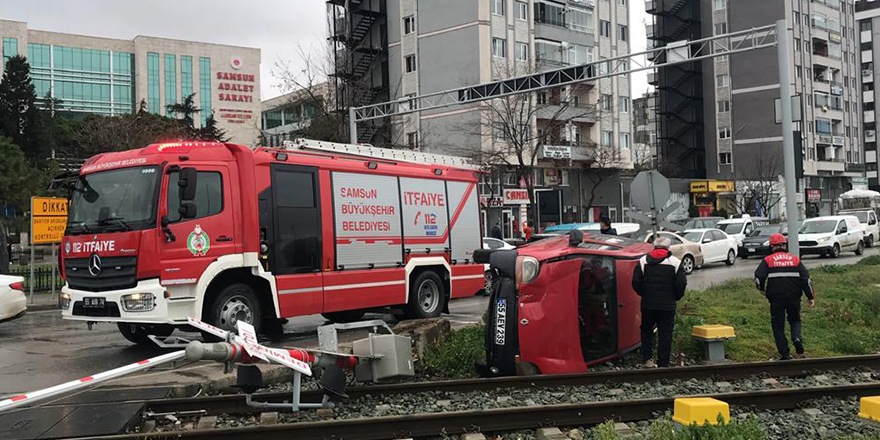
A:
[48,219]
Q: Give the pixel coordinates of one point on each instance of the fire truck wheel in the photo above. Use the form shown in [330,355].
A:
[235,302]
[344,316]
[426,296]
[138,333]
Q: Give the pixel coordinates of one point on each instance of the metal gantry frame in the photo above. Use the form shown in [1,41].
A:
[672,54]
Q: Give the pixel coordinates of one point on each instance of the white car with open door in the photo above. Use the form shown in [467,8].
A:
[13,303]
[716,245]
[495,245]
[831,235]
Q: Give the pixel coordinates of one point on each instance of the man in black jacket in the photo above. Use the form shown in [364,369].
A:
[605,226]
[660,280]
[782,278]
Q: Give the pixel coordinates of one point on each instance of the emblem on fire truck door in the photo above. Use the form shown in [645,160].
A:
[198,242]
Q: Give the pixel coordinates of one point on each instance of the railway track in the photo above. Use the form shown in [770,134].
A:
[525,417]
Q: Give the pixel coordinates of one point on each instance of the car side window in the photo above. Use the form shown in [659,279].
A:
[841,227]
[707,237]
[749,229]
[717,235]
[493,244]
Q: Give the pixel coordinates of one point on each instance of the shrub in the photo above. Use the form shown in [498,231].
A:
[456,355]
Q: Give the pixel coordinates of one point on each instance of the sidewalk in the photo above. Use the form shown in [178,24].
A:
[43,301]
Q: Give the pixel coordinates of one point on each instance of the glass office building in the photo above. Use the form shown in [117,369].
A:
[93,75]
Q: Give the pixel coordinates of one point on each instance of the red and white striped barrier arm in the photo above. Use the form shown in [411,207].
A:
[88,381]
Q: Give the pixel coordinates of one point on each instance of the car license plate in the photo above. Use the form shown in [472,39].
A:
[96,302]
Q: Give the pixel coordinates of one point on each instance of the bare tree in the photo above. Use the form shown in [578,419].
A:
[758,187]
[512,131]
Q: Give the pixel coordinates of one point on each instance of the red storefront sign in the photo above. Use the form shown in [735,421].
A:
[516,196]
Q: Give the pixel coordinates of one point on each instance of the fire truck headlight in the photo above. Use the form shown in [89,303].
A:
[65,301]
[138,302]
[527,269]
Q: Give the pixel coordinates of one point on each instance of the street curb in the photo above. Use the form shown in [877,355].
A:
[42,307]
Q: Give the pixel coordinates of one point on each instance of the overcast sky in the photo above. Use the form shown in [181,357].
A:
[278,27]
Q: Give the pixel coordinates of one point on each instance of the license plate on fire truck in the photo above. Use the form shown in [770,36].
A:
[93,302]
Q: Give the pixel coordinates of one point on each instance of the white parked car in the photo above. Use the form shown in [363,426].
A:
[868,221]
[495,245]
[716,245]
[740,228]
[831,235]
[13,303]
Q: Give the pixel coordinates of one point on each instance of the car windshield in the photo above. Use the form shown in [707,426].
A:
[818,227]
[862,216]
[118,200]
[764,231]
[731,228]
[694,236]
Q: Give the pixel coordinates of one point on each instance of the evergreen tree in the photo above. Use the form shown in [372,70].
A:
[18,179]
[19,116]
[187,111]
[210,132]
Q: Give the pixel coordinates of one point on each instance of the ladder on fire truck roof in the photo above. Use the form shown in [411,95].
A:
[381,153]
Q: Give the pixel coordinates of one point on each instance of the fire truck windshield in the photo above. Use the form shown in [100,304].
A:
[116,200]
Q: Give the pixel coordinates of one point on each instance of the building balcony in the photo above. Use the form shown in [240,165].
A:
[867,96]
[653,78]
[572,113]
[867,75]
[837,165]
[854,167]
[649,31]
[584,3]
[868,116]
[650,6]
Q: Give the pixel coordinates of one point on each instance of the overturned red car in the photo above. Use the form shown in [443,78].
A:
[562,304]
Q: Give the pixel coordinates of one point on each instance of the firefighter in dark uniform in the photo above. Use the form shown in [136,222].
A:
[782,278]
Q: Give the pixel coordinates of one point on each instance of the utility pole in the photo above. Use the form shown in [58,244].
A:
[791,207]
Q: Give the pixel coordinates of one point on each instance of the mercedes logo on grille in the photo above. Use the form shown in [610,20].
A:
[95,265]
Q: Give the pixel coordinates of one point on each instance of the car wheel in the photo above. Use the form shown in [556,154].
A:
[835,251]
[427,296]
[236,302]
[138,333]
[488,288]
[731,258]
[860,249]
[687,263]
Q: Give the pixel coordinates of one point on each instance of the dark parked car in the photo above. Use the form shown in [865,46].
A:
[698,222]
[758,243]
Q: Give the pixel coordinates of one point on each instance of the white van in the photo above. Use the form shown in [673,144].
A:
[870,227]
[831,235]
[740,228]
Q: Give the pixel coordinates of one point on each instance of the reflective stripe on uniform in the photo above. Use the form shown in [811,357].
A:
[784,275]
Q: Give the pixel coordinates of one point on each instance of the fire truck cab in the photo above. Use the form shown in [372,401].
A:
[222,233]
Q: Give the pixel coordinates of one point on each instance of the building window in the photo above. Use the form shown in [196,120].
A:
[797,44]
[606,138]
[580,20]
[205,89]
[498,6]
[412,139]
[170,79]
[409,25]
[154,105]
[720,4]
[563,178]
[722,80]
[499,47]
[865,25]
[624,140]
[724,158]
[605,102]
[724,106]
[624,104]
[621,32]
[604,28]
[186,76]
[10,49]
[522,51]
[823,126]
[542,98]
[724,133]
[410,61]
[797,18]
[720,28]
[522,10]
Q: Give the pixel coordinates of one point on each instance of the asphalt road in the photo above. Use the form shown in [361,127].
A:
[41,349]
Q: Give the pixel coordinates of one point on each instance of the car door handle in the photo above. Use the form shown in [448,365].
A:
[224,238]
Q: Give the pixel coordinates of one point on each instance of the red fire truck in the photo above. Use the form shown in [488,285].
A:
[222,233]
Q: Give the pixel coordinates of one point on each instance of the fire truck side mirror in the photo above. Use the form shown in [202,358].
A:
[187,209]
[187,183]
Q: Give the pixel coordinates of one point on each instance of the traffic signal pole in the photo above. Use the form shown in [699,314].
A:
[791,207]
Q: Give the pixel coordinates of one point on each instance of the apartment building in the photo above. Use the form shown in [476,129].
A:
[868,18]
[435,46]
[645,130]
[741,139]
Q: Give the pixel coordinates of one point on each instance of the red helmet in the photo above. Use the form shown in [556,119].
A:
[777,240]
